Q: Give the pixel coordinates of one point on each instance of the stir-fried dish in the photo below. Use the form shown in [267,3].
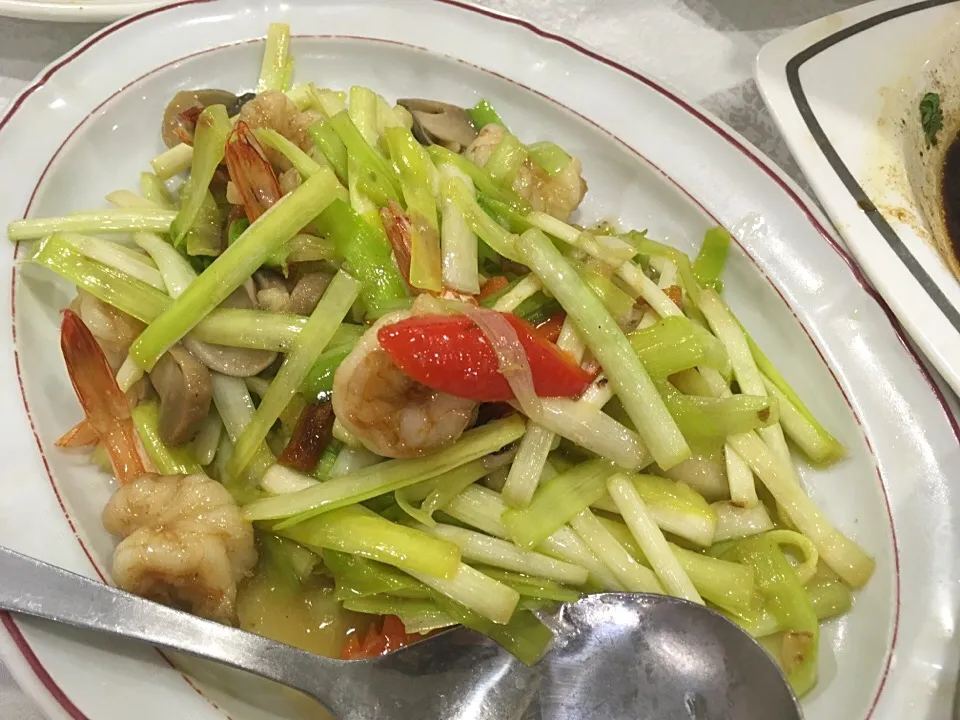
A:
[360,355]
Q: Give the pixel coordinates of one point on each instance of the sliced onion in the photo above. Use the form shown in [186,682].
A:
[280,480]
[511,358]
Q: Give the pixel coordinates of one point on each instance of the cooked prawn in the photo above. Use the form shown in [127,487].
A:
[80,435]
[558,195]
[184,543]
[481,149]
[290,180]
[186,123]
[187,571]
[274,110]
[390,412]
[397,226]
[250,171]
[104,404]
[114,330]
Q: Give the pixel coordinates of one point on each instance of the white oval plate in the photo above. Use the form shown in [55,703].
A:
[73,136]
[75,10]
[838,89]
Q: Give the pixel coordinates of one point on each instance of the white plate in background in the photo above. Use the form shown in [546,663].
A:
[840,89]
[89,124]
[75,10]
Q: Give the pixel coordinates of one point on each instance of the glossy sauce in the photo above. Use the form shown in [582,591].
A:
[951,194]
[309,618]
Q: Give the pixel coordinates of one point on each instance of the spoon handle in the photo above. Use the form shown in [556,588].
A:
[35,588]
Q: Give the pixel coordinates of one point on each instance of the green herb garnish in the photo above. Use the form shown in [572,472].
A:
[931,117]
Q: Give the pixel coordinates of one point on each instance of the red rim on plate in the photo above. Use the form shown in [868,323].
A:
[740,145]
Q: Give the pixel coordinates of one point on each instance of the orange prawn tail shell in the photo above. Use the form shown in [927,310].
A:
[250,171]
[104,404]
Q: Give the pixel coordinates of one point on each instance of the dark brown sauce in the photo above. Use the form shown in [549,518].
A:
[950,194]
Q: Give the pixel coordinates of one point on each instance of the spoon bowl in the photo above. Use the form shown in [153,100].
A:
[614,656]
[653,656]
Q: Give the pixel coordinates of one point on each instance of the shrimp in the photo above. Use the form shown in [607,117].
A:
[104,404]
[115,332]
[80,435]
[184,543]
[274,110]
[187,571]
[391,413]
[480,150]
[558,195]
[290,180]
[250,171]
[113,329]
[397,226]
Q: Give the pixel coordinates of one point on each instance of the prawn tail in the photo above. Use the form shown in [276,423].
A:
[103,402]
[251,172]
[80,435]
[186,124]
[398,229]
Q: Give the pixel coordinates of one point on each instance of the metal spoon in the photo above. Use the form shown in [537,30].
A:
[615,656]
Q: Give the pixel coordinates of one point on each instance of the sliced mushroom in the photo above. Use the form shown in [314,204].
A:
[238,103]
[181,113]
[243,298]
[307,293]
[272,293]
[236,362]
[185,388]
[437,123]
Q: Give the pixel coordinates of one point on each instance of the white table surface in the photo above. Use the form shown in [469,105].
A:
[704,48]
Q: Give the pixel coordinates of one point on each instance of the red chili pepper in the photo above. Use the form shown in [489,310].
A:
[392,636]
[675,294]
[374,645]
[451,354]
[492,286]
[550,328]
[351,648]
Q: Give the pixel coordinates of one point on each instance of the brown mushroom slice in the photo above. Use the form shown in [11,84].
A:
[232,361]
[307,292]
[181,109]
[272,293]
[437,123]
[242,298]
[235,362]
[238,103]
[184,386]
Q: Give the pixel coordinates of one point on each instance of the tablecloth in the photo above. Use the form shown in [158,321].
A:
[704,48]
